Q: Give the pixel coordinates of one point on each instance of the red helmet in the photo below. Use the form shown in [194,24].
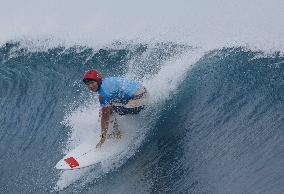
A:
[93,75]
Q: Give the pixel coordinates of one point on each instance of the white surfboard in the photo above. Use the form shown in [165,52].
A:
[82,156]
[87,154]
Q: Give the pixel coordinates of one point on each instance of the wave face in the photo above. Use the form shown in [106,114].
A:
[221,130]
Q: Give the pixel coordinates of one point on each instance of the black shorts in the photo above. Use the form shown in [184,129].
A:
[121,110]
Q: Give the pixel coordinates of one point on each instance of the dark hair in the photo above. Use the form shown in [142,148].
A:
[86,80]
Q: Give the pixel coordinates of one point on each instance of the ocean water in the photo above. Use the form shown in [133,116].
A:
[215,120]
[217,127]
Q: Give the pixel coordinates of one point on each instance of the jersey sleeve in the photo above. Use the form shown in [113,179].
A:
[104,102]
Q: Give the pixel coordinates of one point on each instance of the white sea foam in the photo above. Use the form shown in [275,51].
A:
[210,24]
[85,125]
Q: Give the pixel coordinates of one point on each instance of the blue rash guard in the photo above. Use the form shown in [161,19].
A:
[115,89]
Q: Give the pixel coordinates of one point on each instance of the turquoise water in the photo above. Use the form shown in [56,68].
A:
[220,130]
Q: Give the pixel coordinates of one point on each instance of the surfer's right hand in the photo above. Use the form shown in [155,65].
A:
[103,139]
[99,144]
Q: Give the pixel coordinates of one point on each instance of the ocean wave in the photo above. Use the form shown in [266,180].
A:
[216,121]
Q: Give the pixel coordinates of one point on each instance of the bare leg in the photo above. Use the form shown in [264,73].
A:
[116,132]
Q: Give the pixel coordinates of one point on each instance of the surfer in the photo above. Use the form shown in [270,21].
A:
[116,95]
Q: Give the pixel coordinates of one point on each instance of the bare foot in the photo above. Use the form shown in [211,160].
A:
[115,135]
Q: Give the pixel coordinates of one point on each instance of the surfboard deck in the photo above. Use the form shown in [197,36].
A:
[82,156]
[87,154]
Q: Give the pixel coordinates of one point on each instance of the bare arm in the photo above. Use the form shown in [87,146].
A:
[106,112]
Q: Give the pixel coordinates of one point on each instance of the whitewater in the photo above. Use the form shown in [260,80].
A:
[214,71]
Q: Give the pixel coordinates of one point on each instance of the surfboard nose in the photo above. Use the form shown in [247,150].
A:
[72,162]
[67,164]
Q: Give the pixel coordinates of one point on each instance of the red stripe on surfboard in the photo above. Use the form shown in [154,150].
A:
[72,162]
